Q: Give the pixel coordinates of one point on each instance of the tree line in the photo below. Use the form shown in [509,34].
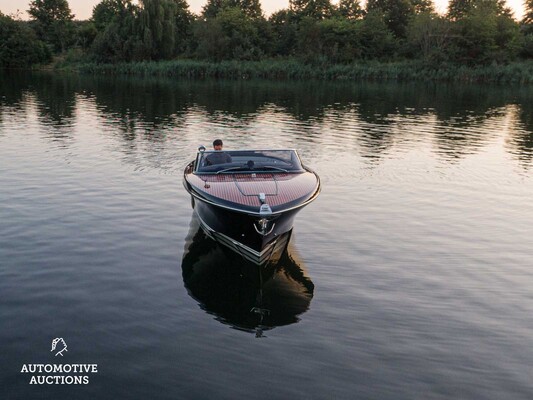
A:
[472,32]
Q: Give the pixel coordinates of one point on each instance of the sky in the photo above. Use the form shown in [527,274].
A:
[82,9]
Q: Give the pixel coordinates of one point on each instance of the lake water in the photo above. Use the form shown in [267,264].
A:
[410,277]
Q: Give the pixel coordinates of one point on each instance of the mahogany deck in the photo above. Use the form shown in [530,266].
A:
[244,189]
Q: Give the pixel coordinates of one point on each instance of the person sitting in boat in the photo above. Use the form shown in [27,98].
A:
[218,157]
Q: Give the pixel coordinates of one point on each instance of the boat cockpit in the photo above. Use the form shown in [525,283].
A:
[247,161]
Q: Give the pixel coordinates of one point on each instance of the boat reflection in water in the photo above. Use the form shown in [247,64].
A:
[240,293]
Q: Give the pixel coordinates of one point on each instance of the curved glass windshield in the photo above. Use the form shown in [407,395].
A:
[239,161]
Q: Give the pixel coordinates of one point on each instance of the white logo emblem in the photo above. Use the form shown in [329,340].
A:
[62,346]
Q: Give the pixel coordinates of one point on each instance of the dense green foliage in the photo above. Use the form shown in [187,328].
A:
[458,9]
[19,45]
[52,21]
[528,17]
[519,72]
[317,33]
[231,35]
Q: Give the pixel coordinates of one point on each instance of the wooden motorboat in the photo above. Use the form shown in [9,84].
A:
[247,199]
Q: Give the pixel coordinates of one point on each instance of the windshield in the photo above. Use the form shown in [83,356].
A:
[239,161]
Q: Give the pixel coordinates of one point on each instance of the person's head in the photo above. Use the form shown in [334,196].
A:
[217,144]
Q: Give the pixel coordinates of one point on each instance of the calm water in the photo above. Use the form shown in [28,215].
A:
[411,277]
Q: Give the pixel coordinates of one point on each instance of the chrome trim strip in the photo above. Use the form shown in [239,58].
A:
[245,251]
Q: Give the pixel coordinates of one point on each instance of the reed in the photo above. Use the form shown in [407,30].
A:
[518,72]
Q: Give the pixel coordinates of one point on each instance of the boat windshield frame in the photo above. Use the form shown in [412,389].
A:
[248,161]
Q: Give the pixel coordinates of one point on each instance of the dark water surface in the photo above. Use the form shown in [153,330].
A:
[411,277]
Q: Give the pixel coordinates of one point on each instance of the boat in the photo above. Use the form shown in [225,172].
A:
[247,199]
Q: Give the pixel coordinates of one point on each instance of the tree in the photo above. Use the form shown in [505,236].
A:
[284,28]
[350,9]
[315,9]
[340,39]
[183,19]
[527,29]
[212,8]
[377,41]
[250,8]
[458,9]
[507,38]
[85,33]
[107,11]
[20,46]
[333,40]
[527,47]
[157,28]
[118,38]
[149,30]
[428,35]
[396,13]
[423,6]
[231,35]
[485,34]
[53,22]
[528,15]
[308,41]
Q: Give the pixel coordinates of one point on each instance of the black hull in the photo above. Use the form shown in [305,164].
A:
[239,231]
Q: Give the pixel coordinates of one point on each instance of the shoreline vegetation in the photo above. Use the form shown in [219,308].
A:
[402,40]
[409,70]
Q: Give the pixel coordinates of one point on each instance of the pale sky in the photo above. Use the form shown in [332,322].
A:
[82,9]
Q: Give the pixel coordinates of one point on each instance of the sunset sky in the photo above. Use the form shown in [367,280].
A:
[83,8]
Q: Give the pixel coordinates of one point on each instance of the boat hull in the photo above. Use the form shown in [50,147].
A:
[239,231]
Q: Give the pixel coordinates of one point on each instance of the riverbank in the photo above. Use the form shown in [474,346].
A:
[518,72]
